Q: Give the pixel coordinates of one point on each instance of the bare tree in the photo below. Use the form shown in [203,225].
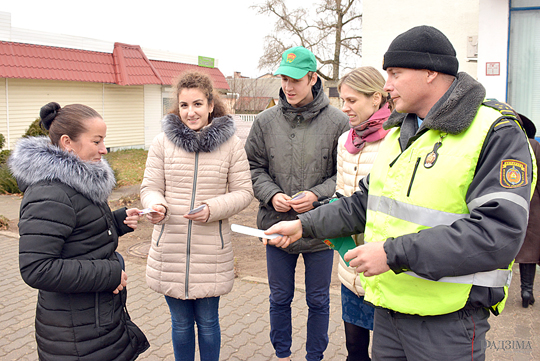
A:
[251,96]
[333,34]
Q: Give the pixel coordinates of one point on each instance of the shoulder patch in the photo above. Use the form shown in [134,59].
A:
[503,123]
[513,173]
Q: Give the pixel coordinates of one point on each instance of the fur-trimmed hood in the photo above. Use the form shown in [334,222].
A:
[205,140]
[454,112]
[35,159]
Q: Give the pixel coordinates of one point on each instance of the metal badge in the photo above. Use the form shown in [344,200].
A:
[432,156]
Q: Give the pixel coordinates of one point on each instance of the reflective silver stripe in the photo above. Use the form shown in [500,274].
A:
[411,213]
[496,278]
[511,197]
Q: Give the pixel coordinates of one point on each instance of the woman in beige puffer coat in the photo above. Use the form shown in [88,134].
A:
[368,107]
[196,161]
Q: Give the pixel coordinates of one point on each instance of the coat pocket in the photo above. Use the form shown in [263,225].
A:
[160,235]
[104,308]
[221,234]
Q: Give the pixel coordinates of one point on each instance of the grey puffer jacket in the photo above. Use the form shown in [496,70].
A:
[294,149]
[68,238]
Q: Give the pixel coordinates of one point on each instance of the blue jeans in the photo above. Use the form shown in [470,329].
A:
[184,314]
[281,269]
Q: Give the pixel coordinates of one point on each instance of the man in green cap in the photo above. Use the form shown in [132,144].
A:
[292,154]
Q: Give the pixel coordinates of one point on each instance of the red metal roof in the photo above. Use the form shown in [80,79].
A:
[28,61]
[127,65]
[169,72]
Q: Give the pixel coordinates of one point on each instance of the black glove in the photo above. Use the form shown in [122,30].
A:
[325,200]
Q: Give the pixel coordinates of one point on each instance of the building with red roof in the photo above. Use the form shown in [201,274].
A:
[132,91]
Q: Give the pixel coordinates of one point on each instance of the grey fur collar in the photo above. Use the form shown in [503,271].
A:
[454,112]
[205,140]
[35,159]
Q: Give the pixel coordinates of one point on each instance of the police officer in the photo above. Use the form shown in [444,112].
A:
[444,209]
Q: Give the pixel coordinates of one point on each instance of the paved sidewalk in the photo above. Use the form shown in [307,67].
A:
[515,335]
[243,313]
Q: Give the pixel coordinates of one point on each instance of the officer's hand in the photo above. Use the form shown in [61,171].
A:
[369,259]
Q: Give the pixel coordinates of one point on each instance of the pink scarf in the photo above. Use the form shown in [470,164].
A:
[369,131]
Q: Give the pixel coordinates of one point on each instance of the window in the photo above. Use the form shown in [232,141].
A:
[524,59]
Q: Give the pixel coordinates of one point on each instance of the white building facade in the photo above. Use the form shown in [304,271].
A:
[496,41]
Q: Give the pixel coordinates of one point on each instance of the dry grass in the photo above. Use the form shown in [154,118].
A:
[128,166]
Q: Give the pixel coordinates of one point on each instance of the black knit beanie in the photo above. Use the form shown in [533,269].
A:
[422,47]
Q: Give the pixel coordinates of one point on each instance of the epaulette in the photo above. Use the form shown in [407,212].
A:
[507,112]
[503,108]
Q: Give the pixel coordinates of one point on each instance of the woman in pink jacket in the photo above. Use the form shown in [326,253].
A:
[368,107]
[196,177]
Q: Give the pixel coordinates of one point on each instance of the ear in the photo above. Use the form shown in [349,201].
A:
[313,79]
[65,142]
[431,75]
[211,107]
[377,98]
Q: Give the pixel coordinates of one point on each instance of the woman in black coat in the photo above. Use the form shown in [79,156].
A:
[68,238]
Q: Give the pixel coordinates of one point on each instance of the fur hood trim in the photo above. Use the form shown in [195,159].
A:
[454,112]
[35,160]
[205,140]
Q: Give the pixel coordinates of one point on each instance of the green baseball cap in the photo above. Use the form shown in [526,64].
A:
[297,62]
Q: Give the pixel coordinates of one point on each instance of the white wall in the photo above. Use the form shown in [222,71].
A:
[383,21]
[152,113]
[493,45]
[27,96]
[4,121]
[122,108]
[124,115]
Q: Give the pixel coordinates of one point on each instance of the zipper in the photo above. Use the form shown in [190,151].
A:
[105,215]
[221,234]
[160,234]
[190,223]
[395,160]
[413,175]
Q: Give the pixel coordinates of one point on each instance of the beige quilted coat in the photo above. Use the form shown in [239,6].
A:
[351,168]
[184,169]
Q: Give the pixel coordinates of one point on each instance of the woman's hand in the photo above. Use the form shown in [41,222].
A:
[123,283]
[200,216]
[132,218]
[158,215]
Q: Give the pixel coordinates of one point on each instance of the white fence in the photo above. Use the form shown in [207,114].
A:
[246,117]
[243,124]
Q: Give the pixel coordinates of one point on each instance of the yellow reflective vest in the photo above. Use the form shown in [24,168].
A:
[422,187]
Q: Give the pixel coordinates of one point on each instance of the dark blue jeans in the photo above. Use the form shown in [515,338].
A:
[184,314]
[281,269]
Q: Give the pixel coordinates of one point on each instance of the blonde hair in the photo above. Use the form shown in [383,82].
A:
[368,81]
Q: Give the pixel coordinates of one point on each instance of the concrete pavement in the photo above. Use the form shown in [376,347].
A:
[515,335]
